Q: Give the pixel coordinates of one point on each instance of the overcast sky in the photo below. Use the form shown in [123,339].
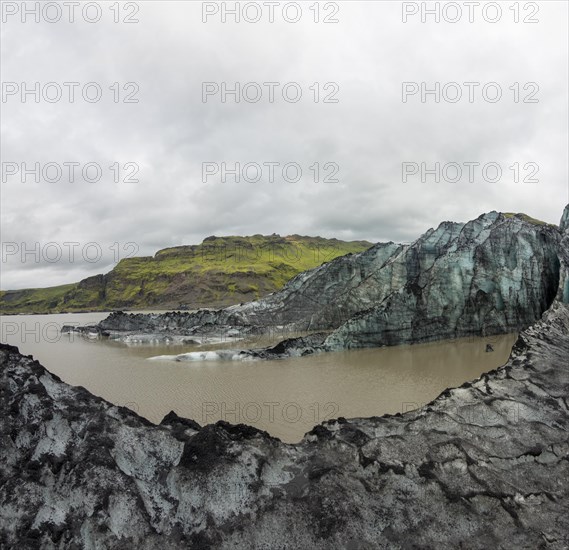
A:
[361,61]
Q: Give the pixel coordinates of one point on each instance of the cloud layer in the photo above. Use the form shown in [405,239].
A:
[367,134]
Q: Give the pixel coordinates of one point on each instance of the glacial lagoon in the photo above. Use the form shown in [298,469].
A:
[284,397]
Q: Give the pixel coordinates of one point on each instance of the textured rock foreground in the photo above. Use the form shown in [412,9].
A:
[485,465]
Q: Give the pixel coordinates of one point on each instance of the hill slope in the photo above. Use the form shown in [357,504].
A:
[219,272]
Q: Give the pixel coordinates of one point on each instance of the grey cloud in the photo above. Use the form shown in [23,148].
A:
[170,132]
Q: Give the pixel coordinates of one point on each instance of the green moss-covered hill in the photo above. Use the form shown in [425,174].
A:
[219,272]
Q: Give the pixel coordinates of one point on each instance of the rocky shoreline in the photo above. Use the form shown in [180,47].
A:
[484,465]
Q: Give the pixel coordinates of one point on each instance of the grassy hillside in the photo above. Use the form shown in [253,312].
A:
[219,272]
[525,217]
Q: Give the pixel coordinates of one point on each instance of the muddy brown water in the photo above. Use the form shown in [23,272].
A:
[285,397]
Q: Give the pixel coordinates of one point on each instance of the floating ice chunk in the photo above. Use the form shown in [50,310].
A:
[219,355]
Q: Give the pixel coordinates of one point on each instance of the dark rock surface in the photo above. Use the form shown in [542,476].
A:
[564,223]
[493,275]
[483,466]
[563,292]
